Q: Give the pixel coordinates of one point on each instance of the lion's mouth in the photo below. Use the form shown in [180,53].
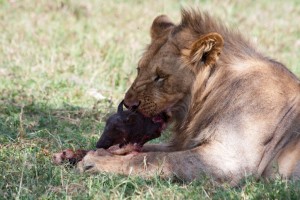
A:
[161,118]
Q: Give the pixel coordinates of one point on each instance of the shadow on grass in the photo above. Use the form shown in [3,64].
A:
[25,118]
[31,129]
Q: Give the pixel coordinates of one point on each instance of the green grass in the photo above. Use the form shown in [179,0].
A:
[57,56]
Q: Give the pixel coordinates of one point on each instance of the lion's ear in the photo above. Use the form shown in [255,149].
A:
[205,51]
[160,25]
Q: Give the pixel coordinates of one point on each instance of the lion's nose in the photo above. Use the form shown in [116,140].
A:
[135,106]
[130,101]
[132,105]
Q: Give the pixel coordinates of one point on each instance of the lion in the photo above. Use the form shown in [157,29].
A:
[234,112]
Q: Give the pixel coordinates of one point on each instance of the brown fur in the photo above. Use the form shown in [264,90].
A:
[235,111]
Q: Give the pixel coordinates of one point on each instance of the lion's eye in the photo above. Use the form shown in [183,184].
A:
[157,78]
[160,76]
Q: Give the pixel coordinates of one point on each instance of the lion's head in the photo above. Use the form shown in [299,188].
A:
[167,70]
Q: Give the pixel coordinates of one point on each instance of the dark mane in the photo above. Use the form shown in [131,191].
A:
[200,23]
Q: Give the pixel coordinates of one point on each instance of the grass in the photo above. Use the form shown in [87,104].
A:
[64,66]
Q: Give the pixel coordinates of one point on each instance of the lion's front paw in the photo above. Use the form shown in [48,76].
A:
[87,163]
[94,161]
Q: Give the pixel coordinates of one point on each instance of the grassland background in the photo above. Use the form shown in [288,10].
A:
[58,57]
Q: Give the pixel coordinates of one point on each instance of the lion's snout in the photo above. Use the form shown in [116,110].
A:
[130,101]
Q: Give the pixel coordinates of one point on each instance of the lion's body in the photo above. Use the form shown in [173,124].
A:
[235,112]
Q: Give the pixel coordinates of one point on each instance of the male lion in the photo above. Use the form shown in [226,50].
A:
[235,112]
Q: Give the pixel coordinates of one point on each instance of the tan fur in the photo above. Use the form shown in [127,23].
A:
[234,111]
[289,160]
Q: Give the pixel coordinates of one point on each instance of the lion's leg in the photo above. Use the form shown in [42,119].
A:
[289,160]
[296,172]
[186,165]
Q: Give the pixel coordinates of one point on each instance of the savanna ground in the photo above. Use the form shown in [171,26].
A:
[64,66]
